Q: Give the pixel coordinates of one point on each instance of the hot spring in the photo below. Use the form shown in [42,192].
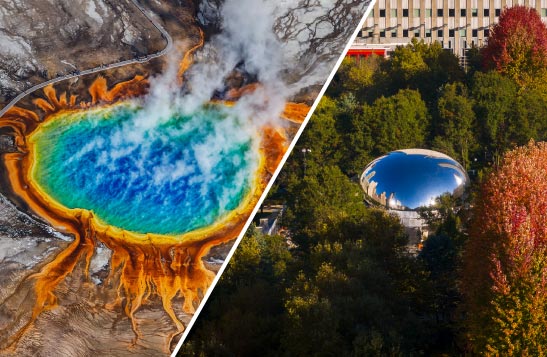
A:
[167,176]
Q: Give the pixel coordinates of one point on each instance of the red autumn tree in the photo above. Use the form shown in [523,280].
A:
[505,260]
[517,45]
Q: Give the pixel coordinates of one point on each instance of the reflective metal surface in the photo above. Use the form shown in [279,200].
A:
[412,178]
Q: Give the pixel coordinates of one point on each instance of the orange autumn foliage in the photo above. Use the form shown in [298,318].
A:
[505,260]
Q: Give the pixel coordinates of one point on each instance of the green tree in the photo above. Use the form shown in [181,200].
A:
[529,116]
[441,256]
[356,77]
[321,136]
[356,134]
[443,68]
[506,115]
[474,60]
[421,66]
[397,122]
[320,145]
[244,316]
[407,62]
[319,201]
[455,129]
[494,97]
[353,295]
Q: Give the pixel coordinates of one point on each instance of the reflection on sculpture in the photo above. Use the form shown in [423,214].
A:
[405,181]
[412,178]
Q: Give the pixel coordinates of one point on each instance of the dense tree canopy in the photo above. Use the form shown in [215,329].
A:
[455,129]
[398,121]
[340,282]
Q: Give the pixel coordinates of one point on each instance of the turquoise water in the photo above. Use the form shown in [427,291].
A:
[147,172]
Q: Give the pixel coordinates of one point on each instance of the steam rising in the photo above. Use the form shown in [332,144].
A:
[173,151]
[247,37]
[246,40]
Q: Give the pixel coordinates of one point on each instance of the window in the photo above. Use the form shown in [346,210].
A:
[417,33]
[463,12]
[371,34]
[372,13]
[405,12]
[439,12]
[394,33]
[498,12]
[463,33]
[382,12]
[382,34]
[416,12]
[543,12]
[427,12]
[405,33]
[450,33]
[474,33]
[439,33]
[486,12]
[474,12]
[486,33]
[393,12]
[451,12]
[427,33]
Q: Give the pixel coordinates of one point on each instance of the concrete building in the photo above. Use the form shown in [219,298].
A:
[457,24]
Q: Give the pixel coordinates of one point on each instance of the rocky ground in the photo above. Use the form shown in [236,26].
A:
[313,34]
[41,40]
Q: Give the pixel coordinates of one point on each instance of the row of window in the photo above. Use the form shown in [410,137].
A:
[440,12]
[440,33]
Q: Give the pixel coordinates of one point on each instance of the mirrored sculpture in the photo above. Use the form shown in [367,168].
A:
[406,181]
[412,178]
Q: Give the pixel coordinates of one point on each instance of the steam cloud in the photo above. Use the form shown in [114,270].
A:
[246,38]
[247,42]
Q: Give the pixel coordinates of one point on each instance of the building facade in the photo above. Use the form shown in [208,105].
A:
[457,24]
